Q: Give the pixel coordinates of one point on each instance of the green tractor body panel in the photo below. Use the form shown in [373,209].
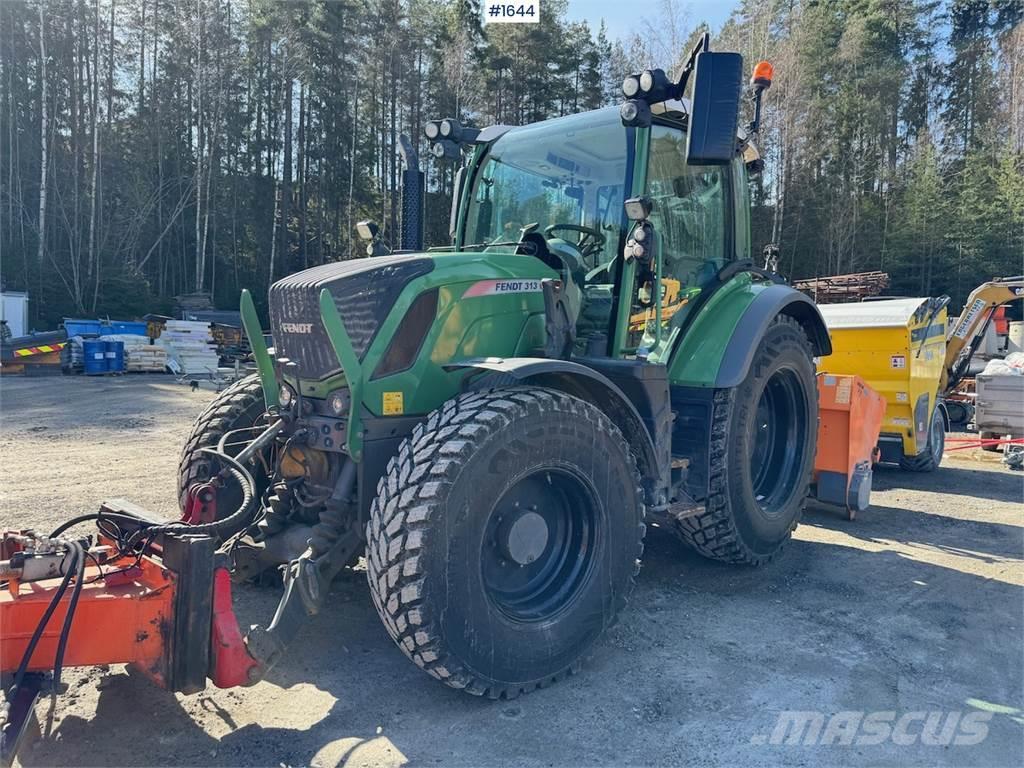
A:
[264,363]
[487,305]
[697,357]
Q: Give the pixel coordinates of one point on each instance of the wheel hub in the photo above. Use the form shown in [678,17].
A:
[527,538]
[539,544]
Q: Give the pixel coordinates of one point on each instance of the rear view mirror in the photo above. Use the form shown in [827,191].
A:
[714,116]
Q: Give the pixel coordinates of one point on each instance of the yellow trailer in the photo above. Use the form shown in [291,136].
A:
[898,346]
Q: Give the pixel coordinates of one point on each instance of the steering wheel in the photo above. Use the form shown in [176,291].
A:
[590,241]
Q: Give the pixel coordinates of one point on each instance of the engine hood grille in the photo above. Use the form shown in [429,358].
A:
[364,291]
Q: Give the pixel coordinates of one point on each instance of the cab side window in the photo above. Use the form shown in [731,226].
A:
[689,211]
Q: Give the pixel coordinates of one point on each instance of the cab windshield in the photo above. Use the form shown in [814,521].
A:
[571,170]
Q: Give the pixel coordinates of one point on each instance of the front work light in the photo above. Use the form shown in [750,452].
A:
[654,85]
[367,230]
[445,150]
[631,86]
[450,129]
[286,396]
[432,130]
[338,402]
[635,113]
[638,208]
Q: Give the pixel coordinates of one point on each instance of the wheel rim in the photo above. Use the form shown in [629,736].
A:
[780,431]
[539,545]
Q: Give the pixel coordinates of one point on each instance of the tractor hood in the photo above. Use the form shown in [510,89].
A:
[364,291]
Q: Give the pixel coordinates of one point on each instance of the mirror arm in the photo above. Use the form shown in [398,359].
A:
[703,44]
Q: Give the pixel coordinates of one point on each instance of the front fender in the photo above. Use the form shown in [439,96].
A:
[587,384]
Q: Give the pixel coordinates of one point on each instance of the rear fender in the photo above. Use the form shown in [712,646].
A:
[587,384]
[768,304]
[719,342]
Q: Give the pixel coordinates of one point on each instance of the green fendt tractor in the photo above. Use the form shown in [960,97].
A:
[493,424]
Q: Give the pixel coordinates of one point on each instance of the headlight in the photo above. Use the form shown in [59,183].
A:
[286,396]
[338,402]
[431,130]
[630,86]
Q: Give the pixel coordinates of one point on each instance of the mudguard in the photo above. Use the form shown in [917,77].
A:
[772,301]
[588,384]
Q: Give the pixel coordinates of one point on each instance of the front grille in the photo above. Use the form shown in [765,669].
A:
[364,291]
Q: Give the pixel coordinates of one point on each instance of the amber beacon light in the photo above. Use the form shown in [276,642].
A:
[762,76]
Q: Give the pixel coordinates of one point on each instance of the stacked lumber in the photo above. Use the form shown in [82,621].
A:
[838,289]
[150,359]
[190,347]
[140,355]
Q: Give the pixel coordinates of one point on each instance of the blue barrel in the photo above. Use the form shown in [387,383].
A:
[113,351]
[95,357]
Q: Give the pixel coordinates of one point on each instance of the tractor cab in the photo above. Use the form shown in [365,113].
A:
[557,191]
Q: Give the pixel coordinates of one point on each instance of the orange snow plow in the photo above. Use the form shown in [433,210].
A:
[162,606]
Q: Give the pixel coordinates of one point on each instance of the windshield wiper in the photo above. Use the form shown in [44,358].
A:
[527,246]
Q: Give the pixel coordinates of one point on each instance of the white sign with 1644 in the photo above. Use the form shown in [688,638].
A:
[512,13]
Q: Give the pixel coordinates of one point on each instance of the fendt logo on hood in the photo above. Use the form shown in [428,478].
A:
[297,327]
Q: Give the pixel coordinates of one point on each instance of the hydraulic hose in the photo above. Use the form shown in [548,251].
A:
[241,476]
[234,469]
[19,675]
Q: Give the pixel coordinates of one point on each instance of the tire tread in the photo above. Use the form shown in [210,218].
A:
[409,497]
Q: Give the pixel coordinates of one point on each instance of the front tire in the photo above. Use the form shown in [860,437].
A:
[240,406]
[505,538]
[763,442]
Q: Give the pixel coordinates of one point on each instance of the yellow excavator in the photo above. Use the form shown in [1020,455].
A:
[966,335]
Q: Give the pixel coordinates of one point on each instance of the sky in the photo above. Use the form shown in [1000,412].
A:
[621,16]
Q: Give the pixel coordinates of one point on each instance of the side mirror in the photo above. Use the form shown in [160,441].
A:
[714,116]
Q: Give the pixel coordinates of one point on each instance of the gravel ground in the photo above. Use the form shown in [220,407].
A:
[914,608]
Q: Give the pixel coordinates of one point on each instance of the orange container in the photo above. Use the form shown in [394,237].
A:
[850,417]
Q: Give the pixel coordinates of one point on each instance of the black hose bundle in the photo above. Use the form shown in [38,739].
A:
[74,562]
[233,469]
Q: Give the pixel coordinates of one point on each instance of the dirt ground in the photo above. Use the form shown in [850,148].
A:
[914,607]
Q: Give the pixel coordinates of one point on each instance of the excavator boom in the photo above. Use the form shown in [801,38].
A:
[965,336]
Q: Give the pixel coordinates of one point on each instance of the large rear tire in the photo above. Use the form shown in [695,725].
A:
[763,441]
[505,538]
[240,406]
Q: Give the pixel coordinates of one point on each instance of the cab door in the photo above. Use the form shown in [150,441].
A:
[692,221]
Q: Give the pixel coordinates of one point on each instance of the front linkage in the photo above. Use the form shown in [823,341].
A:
[147,592]
[156,594]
